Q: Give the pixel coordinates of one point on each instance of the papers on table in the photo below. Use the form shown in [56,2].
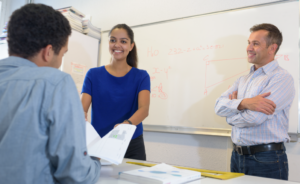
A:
[161,174]
[112,146]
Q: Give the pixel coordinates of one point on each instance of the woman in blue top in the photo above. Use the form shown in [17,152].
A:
[119,92]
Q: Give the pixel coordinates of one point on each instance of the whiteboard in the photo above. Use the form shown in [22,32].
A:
[81,56]
[192,61]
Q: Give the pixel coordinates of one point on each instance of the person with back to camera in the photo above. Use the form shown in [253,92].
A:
[119,92]
[42,127]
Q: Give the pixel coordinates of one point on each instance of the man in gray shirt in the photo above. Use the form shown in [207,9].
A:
[42,126]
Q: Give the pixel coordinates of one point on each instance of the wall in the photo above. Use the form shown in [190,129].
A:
[205,152]
[2,16]
[200,151]
[8,6]
[106,14]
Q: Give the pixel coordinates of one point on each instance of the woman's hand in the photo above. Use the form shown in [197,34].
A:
[125,122]
[85,115]
[86,101]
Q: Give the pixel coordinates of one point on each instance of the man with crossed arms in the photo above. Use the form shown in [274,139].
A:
[257,107]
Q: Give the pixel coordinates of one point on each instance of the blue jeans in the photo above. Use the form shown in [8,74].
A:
[269,164]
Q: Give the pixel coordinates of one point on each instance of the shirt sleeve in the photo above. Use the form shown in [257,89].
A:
[224,106]
[87,83]
[282,91]
[67,140]
[145,83]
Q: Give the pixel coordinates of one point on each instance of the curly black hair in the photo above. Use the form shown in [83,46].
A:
[33,27]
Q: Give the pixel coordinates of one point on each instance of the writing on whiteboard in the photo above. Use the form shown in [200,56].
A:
[175,51]
[285,57]
[208,62]
[164,71]
[151,52]
[158,92]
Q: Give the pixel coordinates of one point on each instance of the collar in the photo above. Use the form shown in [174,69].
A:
[268,68]
[16,61]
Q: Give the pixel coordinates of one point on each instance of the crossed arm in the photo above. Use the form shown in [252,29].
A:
[248,112]
[258,103]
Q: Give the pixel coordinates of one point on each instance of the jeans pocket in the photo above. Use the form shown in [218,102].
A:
[266,157]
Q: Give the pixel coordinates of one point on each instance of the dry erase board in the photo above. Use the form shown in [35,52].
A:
[81,56]
[192,61]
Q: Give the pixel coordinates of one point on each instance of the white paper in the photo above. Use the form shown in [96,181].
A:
[112,146]
[91,135]
[163,173]
[105,162]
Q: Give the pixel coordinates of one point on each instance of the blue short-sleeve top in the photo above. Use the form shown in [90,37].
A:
[114,99]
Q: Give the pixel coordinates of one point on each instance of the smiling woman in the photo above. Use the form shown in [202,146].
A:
[122,37]
[119,92]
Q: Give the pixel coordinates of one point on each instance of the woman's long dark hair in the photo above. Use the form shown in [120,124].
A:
[132,59]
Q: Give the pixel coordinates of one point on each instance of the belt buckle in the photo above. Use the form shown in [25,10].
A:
[239,150]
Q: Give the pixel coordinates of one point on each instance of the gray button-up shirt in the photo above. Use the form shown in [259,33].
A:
[42,127]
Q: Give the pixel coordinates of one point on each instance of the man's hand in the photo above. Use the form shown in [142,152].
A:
[259,104]
[233,95]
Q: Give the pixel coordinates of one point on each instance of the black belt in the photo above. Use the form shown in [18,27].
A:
[243,150]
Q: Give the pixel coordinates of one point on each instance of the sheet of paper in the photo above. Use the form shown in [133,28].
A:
[92,137]
[162,172]
[112,146]
[105,162]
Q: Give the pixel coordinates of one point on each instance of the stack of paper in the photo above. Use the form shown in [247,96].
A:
[160,174]
[112,147]
[90,29]
[74,17]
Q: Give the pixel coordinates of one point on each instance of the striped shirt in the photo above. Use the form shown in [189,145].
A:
[252,127]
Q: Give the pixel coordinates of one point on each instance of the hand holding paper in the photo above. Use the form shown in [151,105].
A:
[112,146]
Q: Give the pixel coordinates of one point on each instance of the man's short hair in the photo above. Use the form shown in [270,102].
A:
[274,35]
[33,27]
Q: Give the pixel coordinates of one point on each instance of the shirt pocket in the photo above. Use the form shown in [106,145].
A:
[254,91]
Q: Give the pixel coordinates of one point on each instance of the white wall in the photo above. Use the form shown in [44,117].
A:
[293,153]
[2,15]
[198,151]
[208,152]
[0,8]
[205,152]
[8,6]
[107,13]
